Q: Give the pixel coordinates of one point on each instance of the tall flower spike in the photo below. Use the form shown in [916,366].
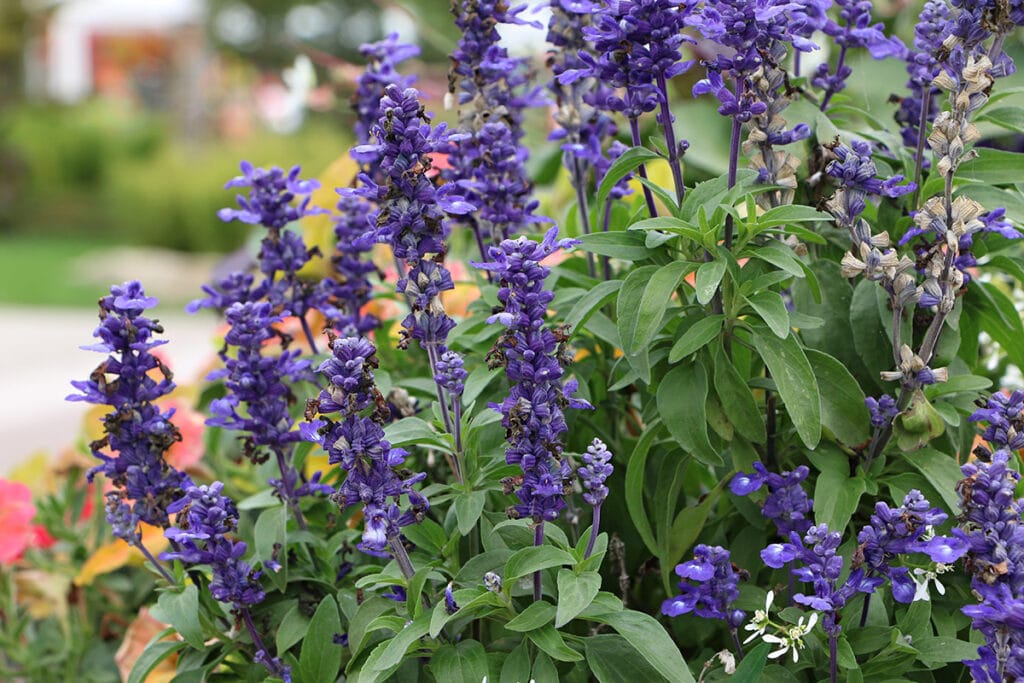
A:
[355,442]
[586,127]
[350,286]
[259,394]
[136,433]
[206,517]
[637,52]
[492,92]
[994,532]
[413,211]
[271,202]
[532,412]
[413,220]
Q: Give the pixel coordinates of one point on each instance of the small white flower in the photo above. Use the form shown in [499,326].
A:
[760,621]
[792,638]
[922,577]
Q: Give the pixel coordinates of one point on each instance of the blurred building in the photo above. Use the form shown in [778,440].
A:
[121,48]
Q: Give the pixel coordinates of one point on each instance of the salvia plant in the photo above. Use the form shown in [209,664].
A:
[726,406]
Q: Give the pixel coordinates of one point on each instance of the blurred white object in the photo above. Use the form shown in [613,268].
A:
[283,107]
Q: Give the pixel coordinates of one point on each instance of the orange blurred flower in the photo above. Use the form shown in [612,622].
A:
[186,453]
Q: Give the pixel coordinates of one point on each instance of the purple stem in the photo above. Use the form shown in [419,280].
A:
[401,557]
[457,423]
[288,476]
[737,644]
[538,540]
[674,161]
[309,334]
[257,640]
[159,567]
[442,400]
[595,528]
[833,658]
[634,129]
[922,126]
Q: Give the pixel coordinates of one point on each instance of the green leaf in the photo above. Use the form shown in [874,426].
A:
[575,593]
[264,499]
[733,392]
[1010,118]
[270,531]
[993,167]
[293,628]
[671,225]
[709,275]
[627,305]
[367,613]
[535,615]
[550,641]
[645,634]
[958,384]
[749,670]
[516,668]
[791,213]
[941,471]
[635,471]
[842,402]
[625,245]
[180,609]
[590,302]
[465,662]
[836,497]
[391,652]
[468,506]
[687,527]
[625,164]
[529,560]
[795,380]
[613,660]
[638,325]
[415,431]
[778,255]
[696,337]
[320,657]
[681,397]
[772,309]
[942,649]
[156,651]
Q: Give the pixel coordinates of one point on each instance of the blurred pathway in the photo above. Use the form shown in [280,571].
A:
[39,356]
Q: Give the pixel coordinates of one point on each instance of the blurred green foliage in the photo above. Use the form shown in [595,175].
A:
[99,172]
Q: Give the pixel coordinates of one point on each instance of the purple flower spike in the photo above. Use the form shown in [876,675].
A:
[532,413]
[376,478]
[716,587]
[492,91]
[136,433]
[994,534]
[597,467]
[1005,417]
[269,202]
[412,218]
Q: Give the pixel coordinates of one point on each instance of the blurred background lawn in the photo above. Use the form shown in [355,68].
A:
[121,121]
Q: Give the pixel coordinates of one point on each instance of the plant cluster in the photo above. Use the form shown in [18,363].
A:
[798,361]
